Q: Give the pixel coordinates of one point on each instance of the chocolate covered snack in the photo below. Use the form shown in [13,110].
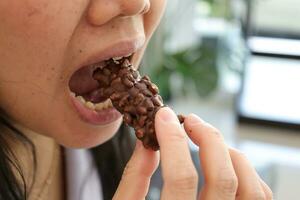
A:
[134,96]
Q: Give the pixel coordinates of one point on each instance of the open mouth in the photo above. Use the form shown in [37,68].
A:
[87,95]
[87,90]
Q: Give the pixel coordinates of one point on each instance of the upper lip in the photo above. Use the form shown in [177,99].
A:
[120,49]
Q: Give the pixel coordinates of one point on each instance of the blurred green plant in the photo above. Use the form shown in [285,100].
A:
[218,8]
[196,66]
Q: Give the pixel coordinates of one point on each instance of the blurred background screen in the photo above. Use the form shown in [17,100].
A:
[275,18]
[271,75]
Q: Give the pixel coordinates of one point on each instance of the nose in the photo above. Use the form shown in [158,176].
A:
[101,11]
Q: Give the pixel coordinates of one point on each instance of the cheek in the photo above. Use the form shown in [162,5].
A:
[34,37]
[36,32]
[31,19]
[151,21]
[153,17]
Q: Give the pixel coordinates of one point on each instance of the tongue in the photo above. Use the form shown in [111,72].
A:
[82,82]
[95,96]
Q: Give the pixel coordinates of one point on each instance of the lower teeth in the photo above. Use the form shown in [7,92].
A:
[92,106]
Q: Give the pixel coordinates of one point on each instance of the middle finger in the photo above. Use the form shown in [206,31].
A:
[219,175]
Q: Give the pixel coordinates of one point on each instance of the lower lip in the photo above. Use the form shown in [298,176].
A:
[102,117]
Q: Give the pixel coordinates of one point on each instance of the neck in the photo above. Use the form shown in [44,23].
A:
[46,178]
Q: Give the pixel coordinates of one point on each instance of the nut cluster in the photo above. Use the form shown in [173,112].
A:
[134,96]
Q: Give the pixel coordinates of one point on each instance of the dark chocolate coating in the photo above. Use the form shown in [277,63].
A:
[134,96]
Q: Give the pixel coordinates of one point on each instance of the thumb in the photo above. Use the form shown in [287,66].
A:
[137,174]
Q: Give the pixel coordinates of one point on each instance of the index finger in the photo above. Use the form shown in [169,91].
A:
[179,173]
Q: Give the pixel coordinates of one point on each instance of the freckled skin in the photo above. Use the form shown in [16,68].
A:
[41,44]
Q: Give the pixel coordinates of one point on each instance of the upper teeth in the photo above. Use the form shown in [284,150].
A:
[96,107]
[117,59]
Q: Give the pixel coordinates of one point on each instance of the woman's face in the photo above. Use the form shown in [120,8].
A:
[43,43]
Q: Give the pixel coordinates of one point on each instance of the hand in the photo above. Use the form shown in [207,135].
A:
[228,175]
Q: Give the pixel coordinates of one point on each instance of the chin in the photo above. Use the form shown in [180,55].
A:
[80,137]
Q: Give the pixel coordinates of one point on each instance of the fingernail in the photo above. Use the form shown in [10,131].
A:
[194,119]
[167,115]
